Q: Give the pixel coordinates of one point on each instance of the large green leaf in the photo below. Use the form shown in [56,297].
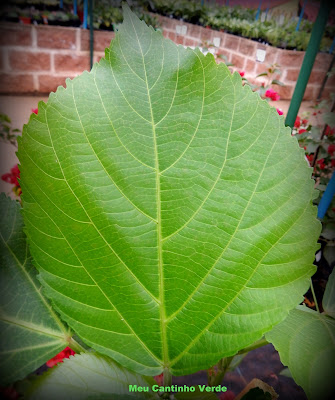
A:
[168,208]
[89,376]
[30,331]
[305,341]
[328,301]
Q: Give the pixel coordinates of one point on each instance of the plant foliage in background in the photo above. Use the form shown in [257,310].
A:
[166,225]
[31,332]
[318,141]
[235,20]
[308,329]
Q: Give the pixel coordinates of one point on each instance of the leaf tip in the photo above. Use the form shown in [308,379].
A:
[128,15]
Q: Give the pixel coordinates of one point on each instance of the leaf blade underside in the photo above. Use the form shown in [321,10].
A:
[172,206]
[305,341]
[31,332]
[88,376]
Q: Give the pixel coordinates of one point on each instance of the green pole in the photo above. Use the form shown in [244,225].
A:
[307,64]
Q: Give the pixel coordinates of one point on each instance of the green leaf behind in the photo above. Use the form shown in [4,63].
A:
[88,376]
[168,208]
[328,301]
[30,331]
[305,341]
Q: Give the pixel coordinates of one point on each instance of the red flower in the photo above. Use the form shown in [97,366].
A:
[12,176]
[159,379]
[279,111]
[271,94]
[310,158]
[66,353]
[241,73]
[228,395]
[304,121]
[300,131]
[321,163]
[329,131]
[331,149]
[34,110]
[297,122]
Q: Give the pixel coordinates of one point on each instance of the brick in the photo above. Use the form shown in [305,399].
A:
[310,93]
[179,39]
[331,81]
[250,66]
[253,81]
[172,36]
[170,23]
[72,62]
[165,33]
[247,47]
[16,84]
[193,31]
[272,53]
[238,61]
[290,58]
[206,35]
[326,94]
[232,42]
[225,53]
[292,75]
[160,18]
[260,68]
[221,35]
[191,42]
[15,35]
[102,39]
[52,37]
[316,77]
[29,61]
[49,83]
[285,92]
[322,61]
[97,57]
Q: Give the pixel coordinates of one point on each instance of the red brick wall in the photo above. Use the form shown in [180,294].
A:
[37,59]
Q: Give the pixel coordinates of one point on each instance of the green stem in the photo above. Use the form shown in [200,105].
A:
[314,297]
[167,381]
[224,364]
[167,377]
[75,346]
[255,345]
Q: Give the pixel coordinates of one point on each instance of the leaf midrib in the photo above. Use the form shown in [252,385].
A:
[27,348]
[32,283]
[162,310]
[32,327]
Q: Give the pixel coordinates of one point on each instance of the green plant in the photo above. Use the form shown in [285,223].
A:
[24,13]
[271,75]
[305,328]
[167,227]
[318,141]
[7,133]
